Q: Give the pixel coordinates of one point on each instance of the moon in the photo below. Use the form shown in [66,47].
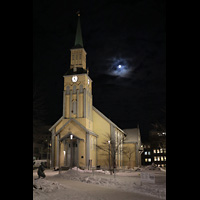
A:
[119,67]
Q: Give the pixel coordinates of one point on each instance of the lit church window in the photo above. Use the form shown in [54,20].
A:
[74,107]
[81,89]
[74,89]
[67,90]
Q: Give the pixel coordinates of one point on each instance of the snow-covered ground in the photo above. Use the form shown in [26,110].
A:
[98,184]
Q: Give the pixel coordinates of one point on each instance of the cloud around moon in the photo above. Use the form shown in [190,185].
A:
[119,67]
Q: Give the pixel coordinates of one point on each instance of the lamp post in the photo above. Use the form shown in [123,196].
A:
[109,155]
[71,144]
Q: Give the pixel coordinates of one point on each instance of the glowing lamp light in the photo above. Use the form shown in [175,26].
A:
[71,137]
[119,66]
[109,142]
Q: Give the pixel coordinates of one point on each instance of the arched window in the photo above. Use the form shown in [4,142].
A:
[81,89]
[67,90]
[74,107]
[74,89]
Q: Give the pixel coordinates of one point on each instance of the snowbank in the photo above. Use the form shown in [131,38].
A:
[90,171]
[129,181]
[46,186]
[126,181]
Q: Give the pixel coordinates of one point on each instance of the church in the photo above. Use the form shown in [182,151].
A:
[83,136]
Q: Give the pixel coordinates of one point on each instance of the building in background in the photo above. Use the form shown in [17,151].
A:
[156,155]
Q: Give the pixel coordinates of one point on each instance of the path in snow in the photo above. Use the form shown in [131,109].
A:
[74,185]
[74,190]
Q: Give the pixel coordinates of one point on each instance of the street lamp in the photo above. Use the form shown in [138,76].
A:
[109,155]
[71,137]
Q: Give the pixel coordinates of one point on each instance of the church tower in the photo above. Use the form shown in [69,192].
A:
[81,127]
[77,94]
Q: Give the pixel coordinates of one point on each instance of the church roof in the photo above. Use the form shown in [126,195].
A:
[69,121]
[78,40]
[133,135]
[108,120]
[79,70]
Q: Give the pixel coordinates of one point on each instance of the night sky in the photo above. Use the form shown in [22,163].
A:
[125,43]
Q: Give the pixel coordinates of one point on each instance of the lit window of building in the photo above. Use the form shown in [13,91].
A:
[149,153]
[155,158]
[161,158]
[154,151]
[158,151]
[149,159]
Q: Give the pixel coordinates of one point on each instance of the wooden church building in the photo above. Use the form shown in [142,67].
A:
[82,128]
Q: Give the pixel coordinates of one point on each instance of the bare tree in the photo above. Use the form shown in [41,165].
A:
[128,152]
[39,109]
[110,147]
[157,135]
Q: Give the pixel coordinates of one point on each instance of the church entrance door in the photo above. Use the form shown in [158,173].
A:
[72,153]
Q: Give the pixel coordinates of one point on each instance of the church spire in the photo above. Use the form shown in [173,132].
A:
[78,39]
[78,53]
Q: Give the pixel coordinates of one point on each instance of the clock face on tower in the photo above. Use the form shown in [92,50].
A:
[74,79]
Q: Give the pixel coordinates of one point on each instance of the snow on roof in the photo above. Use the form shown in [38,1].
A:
[133,135]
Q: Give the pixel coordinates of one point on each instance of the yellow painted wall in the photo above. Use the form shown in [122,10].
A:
[66,106]
[78,56]
[93,150]
[82,80]
[55,158]
[81,105]
[102,128]
[61,154]
[82,149]
[61,123]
